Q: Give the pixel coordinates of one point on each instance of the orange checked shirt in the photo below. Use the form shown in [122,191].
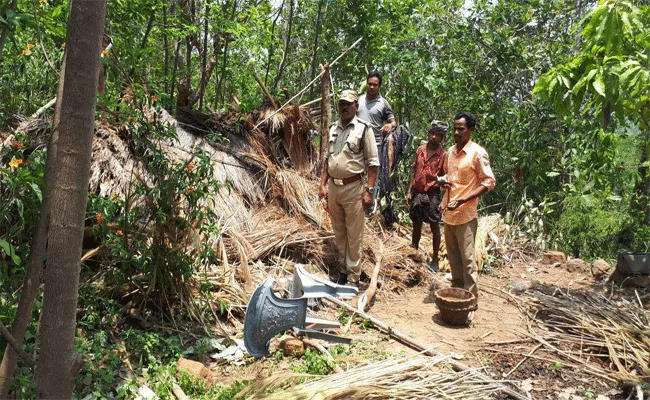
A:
[466,170]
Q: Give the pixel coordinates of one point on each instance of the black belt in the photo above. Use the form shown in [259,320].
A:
[346,181]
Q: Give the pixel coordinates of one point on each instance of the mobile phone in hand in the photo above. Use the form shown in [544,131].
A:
[442,182]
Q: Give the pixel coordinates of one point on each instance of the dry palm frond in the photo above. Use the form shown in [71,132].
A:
[592,327]
[276,123]
[411,378]
[298,195]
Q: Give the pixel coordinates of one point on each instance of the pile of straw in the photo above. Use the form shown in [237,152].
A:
[411,378]
[591,327]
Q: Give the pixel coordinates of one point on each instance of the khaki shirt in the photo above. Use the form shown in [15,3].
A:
[349,149]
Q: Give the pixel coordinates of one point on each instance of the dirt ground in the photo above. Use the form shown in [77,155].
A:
[495,341]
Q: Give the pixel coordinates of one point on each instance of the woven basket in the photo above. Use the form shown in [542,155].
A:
[455,304]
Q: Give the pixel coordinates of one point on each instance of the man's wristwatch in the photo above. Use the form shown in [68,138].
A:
[370,190]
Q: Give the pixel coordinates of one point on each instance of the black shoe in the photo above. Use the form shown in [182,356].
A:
[433,267]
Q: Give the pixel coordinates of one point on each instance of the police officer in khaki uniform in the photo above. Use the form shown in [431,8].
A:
[351,147]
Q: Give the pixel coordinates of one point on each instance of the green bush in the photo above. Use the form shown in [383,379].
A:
[154,236]
[590,226]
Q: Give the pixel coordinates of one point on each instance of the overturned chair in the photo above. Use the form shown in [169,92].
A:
[267,314]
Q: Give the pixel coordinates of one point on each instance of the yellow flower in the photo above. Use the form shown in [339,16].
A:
[15,162]
[30,46]
[100,218]
[119,233]
[26,52]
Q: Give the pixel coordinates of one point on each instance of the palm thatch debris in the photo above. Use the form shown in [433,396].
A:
[411,378]
[603,335]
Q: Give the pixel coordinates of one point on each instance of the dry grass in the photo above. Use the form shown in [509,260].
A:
[411,378]
[588,327]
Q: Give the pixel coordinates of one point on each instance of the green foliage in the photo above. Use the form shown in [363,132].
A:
[21,183]
[608,74]
[586,392]
[557,366]
[590,225]
[314,363]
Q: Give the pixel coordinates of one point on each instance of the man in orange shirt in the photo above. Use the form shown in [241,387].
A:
[423,194]
[468,171]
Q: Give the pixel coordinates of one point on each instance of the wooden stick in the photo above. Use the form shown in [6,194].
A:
[315,101]
[273,101]
[574,366]
[586,366]
[178,392]
[45,107]
[308,85]
[91,253]
[369,294]
[4,332]
[522,360]
[414,344]
[326,113]
[508,341]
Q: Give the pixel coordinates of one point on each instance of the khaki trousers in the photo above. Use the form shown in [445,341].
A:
[347,216]
[460,241]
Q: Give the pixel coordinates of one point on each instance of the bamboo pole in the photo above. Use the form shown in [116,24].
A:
[308,85]
[326,112]
[414,344]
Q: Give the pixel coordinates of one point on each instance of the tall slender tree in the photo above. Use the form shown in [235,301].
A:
[58,363]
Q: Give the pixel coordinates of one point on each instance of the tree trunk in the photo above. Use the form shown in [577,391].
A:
[642,188]
[204,75]
[145,38]
[34,270]
[314,57]
[166,47]
[285,51]
[58,363]
[326,115]
[5,34]
[270,49]
[224,58]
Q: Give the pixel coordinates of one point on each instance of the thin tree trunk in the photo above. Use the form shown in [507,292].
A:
[224,58]
[58,362]
[285,51]
[5,34]
[34,270]
[271,47]
[204,76]
[314,57]
[147,32]
[166,47]
[177,50]
[326,113]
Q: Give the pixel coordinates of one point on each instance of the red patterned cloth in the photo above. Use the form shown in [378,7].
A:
[427,169]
